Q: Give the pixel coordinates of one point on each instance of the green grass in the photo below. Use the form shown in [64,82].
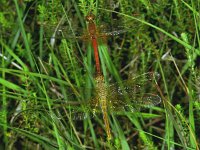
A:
[41,83]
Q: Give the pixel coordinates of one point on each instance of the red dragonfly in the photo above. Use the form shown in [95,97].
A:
[93,34]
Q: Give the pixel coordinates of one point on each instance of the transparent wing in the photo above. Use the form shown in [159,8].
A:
[134,93]
[80,106]
[73,30]
[129,95]
[63,32]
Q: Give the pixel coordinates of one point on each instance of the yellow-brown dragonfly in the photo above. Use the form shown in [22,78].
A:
[126,96]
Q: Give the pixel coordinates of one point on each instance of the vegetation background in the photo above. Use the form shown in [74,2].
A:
[39,75]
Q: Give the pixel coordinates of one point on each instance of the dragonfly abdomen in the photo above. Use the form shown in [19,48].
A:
[103,105]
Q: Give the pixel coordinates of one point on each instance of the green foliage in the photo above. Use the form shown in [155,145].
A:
[48,68]
[4,23]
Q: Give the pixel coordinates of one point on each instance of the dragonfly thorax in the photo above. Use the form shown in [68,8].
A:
[99,79]
[101,90]
[92,29]
[100,85]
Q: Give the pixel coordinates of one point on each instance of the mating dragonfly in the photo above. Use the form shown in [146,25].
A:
[93,34]
[126,96]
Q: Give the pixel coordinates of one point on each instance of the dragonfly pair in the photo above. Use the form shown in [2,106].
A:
[118,98]
[128,95]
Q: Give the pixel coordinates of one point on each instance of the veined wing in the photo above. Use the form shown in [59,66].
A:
[72,31]
[129,95]
[133,93]
[107,30]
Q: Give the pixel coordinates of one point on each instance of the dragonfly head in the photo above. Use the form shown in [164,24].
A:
[90,17]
